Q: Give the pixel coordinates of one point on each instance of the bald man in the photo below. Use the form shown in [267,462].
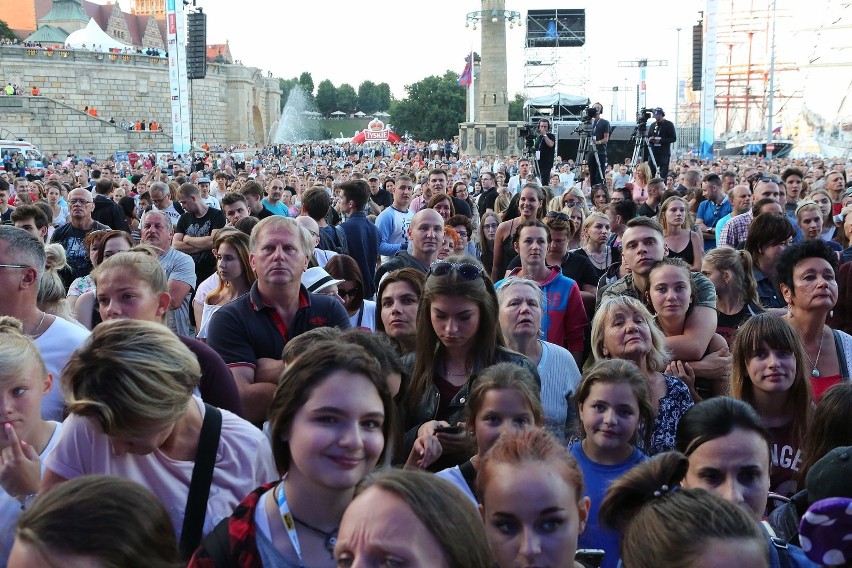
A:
[426,234]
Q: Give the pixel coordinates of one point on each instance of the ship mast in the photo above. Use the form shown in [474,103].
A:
[771,113]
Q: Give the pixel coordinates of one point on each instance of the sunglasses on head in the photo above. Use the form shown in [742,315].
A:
[466,270]
[558,215]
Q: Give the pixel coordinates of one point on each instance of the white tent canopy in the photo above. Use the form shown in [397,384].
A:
[557,99]
[92,35]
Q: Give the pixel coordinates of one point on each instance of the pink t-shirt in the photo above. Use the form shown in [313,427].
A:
[243,462]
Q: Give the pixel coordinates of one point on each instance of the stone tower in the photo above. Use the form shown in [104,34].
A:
[492,99]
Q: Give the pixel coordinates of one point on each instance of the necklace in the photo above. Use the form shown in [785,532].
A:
[41,321]
[330,537]
[462,374]
[290,521]
[815,372]
[601,255]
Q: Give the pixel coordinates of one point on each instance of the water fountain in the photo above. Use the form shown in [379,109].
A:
[295,125]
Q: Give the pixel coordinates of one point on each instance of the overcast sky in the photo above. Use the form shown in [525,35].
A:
[400,42]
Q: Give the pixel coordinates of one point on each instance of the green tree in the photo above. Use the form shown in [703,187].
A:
[383,97]
[6,32]
[307,83]
[326,98]
[347,98]
[286,86]
[516,107]
[433,108]
[368,97]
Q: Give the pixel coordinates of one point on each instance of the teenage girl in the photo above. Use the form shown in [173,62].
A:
[533,502]
[613,412]
[769,373]
[330,419]
[505,399]
[670,298]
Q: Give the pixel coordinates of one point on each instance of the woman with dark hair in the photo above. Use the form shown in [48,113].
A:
[807,274]
[458,335]
[768,372]
[398,299]
[531,206]
[768,236]
[96,520]
[442,203]
[330,420]
[411,518]
[487,234]
[362,313]
[600,197]
[729,451]
[664,525]
[128,205]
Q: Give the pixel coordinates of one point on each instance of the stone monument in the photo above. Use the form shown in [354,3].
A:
[489,131]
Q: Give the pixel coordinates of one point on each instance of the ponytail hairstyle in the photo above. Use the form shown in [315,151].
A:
[740,264]
[663,525]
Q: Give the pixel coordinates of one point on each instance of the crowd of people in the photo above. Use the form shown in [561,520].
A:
[329,355]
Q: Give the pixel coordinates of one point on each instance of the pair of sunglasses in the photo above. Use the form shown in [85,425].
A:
[466,270]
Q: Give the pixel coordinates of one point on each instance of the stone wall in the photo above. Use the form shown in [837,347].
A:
[232,105]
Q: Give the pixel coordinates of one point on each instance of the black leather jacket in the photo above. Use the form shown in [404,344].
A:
[427,409]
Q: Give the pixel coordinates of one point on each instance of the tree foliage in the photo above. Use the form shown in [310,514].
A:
[433,108]
[326,98]
[347,98]
[368,97]
[286,86]
[307,83]
[383,96]
[6,32]
[516,107]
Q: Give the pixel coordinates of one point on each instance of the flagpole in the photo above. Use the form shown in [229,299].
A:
[472,89]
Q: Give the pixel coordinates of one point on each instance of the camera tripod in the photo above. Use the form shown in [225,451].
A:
[586,144]
[641,144]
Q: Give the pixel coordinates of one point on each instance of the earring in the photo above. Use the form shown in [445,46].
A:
[605,352]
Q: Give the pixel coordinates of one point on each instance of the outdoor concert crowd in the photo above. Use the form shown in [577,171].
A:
[338,355]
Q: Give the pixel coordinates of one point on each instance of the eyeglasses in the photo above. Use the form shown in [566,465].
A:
[570,203]
[766,179]
[466,270]
[80,201]
[14,266]
[558,215]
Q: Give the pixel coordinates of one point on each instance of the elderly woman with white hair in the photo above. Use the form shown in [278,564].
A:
[521,307]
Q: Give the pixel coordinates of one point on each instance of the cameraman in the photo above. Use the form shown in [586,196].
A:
[661,135]
[597,153]
[545,149]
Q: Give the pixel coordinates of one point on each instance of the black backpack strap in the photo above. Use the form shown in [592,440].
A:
[202,476]
[469,475]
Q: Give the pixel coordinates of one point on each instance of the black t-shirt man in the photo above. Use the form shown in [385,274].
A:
[545,149]
[192,226]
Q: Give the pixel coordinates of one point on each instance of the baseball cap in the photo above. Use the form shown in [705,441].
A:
[317,279]
[373,176]
[658,110]
[830,475]
[204,180]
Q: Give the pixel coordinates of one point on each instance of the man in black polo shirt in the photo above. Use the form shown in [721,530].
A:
[250,332]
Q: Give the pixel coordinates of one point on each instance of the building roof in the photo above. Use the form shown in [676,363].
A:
[48,34]
[64,11]
[214,50]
